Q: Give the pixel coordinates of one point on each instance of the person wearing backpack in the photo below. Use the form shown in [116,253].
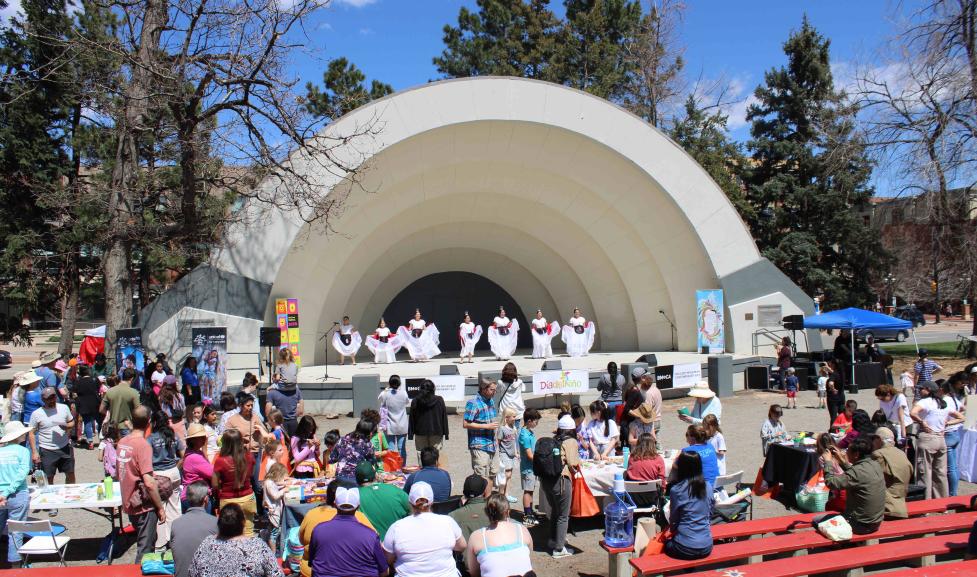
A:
[555,461]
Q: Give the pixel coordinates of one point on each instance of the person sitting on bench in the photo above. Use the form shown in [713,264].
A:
[896,469]
[862,478]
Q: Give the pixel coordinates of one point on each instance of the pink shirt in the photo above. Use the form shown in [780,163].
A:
[196,467]
[303,451]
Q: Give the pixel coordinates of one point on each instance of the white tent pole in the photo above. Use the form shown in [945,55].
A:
[913,330]
[853,356]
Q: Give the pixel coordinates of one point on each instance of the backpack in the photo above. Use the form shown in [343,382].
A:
[547,459]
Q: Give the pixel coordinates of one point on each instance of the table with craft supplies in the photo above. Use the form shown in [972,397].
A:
[600,474]
[967,455]
[790,466]
[84,496]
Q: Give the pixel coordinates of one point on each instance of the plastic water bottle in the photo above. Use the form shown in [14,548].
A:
[109,487]
[627,456]
[619,516]
[39,479]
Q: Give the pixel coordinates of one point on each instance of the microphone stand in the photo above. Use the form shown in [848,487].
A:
[674,334]
[325,377]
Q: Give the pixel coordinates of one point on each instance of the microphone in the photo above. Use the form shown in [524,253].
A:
[661,311]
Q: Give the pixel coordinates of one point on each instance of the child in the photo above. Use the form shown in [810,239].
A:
[506,435]
[906,380]
[329,442]
[274,500]
[773,429]
[273,452]
[823,374]
[843,421]
[711,424]
[277,421]
[177,423]
[106,450]
[602,431]
[583,434]
[210,425]
[527,444]
[790,385]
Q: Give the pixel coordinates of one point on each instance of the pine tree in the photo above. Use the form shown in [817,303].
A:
[502,38]
[343,90]
[809,176]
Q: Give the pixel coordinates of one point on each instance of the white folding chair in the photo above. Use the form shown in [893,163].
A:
[45,542]
[734,479]
[638,487]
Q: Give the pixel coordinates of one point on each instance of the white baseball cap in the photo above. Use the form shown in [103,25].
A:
[420,491]
[348,499]
[566,423]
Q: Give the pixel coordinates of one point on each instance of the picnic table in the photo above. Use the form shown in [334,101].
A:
[81,496]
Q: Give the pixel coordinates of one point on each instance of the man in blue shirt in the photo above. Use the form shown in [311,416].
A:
[45,370]
[15,466]
[481,419]
[430,473]
[344,546]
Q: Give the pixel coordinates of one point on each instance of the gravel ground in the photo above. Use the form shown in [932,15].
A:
[742,417]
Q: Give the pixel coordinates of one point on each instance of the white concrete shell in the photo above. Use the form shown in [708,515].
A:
[560,197]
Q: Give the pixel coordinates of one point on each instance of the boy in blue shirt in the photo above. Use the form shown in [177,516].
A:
[791,384]
[527,443]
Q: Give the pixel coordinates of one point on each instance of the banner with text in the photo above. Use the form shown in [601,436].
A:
[678,376]
[129,354]
[560,382]
[710,322]
[210,349]
[448,387]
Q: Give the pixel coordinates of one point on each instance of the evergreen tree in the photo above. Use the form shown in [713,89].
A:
[702,133]
[343,90]
[502,38]
[809,176]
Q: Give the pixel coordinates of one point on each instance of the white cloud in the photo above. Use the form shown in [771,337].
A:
[366,31]
[739,97]
[324,26]
[356,3]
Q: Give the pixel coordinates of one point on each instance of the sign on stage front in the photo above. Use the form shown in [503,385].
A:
[448,387]
[560,382]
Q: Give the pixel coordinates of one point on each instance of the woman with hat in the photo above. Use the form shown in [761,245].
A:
[30,383]
[15,466]
[643,421]
[23,382]
[196,465]
[706,403]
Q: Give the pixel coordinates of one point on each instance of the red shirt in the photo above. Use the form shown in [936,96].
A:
[224,469]
[135,459]
[646,469]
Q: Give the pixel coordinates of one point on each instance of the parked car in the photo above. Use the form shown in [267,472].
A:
[899,335]
[5,360]
[910,313]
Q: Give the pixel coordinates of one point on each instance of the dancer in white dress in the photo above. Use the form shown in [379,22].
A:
[347,341]
[420,339]
[543,334]
[384,344]
[578,334]
[503,336]
[469,334]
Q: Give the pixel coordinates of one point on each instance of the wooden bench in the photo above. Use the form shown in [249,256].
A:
[77,571]
[799,543]
[955,569]
[846,558]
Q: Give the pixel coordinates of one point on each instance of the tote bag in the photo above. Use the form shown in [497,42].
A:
[582,503]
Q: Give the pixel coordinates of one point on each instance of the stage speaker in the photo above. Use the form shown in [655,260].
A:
[552,366]
[270,337]
[449,370]
[794,322]
[649,358]
[758,377]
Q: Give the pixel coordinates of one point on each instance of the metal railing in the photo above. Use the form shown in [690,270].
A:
[775,336]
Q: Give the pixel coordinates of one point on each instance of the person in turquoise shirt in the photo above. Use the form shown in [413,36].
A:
[15,465]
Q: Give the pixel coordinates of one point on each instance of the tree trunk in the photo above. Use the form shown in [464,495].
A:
[71,287]
[125,194]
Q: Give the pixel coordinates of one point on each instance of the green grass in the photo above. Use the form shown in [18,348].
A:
[57,338]
[947,349]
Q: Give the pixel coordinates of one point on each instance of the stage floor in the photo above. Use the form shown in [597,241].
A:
[594,362]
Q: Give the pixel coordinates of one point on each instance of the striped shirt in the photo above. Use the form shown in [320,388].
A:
[482,411]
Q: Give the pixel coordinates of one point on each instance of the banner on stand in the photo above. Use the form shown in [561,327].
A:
[129,354]
[560,382]
[210,350]
[710,322]
[448,387]
[287,320]
[678,376]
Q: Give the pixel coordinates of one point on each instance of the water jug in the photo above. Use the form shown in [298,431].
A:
[619,516]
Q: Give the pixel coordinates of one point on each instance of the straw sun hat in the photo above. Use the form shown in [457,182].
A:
[701,390]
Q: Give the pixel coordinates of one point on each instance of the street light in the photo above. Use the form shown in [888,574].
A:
[890,282]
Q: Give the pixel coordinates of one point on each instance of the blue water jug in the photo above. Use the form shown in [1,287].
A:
[619,516]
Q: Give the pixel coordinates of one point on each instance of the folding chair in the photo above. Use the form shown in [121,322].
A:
[731,513]
[643,487]
[45,542]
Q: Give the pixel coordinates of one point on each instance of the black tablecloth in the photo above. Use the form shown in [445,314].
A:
[791,467]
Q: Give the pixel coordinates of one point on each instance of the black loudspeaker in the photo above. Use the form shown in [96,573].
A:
[757,377]
[803,377]
[552,366]
[649,358]
[270,337]
[794,322]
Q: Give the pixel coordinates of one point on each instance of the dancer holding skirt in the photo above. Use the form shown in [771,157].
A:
[347,341]
[503,336]
[578,334]
[543,334]
[384,344]
[420,339]
[469,334]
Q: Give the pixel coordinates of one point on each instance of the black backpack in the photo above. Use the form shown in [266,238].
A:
[547,459]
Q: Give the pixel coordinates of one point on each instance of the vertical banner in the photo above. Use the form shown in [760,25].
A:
[129,354]
[287,321]
[711,333]
[210,350]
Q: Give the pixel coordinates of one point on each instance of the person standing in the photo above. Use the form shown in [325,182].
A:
[933,416]
[45,370]
[120,400]
[956,400]
[923,371]
[481,420]
[168,452]
[347,341]
[511,397]
[706,403]
[287,398]
[427,423]
[286,371]
[842,354]
[653,396]
[15,467]
[896,470]
[785,356]
[135,460]
[50,446]
[190,381]
[31,386]
[384,344]
[611,386]
[559,488]
[195,525]
[468,335]
[395,402]
[578,335]
[232,470]
[896,409]
[253,433]
[87,401]
[835,395]
[502,336]
[543,334]
[344,546]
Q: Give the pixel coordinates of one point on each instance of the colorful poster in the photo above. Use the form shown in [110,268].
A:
[560,382]
[287,320]
[210,350]
[129,354]
[710,322]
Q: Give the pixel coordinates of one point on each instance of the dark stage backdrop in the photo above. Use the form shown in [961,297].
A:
[443,299]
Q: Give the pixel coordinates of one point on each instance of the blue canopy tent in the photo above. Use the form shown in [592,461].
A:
[857,319]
